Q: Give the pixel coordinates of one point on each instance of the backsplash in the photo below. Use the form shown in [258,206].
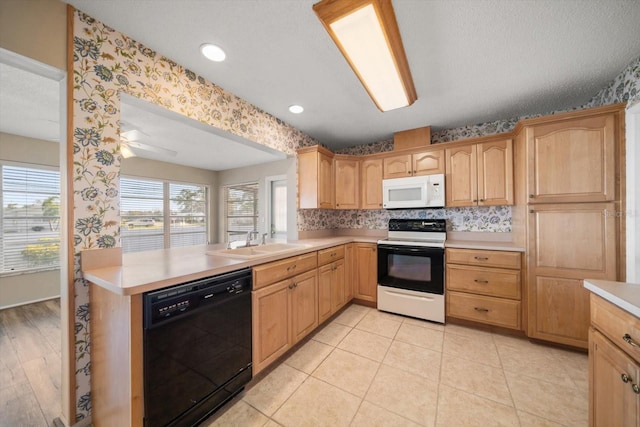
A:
[496,219]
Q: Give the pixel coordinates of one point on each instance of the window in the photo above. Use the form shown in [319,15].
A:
[157,215]
[30,238]
[241,210]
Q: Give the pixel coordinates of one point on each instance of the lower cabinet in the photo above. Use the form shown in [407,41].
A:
[484,286]
[615,378]
[331,282]
[614,365]
[283,314]
[366,261]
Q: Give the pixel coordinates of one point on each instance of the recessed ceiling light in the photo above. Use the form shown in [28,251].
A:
[296,109]
[213,52]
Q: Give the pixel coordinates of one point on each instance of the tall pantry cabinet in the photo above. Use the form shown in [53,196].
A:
[569,175]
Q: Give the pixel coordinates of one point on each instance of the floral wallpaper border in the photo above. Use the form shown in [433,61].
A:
[107,63]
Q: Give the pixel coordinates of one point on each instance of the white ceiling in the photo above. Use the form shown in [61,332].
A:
[472,61]
[195,144]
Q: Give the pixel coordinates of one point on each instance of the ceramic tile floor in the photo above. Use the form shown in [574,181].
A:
[370,368]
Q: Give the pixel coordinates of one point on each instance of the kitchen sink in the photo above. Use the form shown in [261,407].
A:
[257,251]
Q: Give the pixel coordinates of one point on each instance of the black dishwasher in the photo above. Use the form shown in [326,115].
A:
[197,348]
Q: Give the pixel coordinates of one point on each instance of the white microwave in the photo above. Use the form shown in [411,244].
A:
[425,191]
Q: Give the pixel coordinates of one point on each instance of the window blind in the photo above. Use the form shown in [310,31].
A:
[30,238]
[241,210]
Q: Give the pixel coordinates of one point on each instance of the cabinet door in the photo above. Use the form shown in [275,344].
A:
[325,276]
[337,286]
[495,173]
[367,272]
[461,177]
[428,163]
[371,183]
[270,324]
[304,305]
[570,242]
[325,182]
[612,378]
[349,271]
[397,166]
[572,161]
[347,186]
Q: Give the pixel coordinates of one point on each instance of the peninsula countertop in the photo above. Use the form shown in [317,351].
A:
[621,294]
[150,270]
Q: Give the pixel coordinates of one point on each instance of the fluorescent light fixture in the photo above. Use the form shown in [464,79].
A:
[366,32]
[213,52]
[296,109]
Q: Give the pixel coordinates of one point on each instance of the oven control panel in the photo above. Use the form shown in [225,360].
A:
[425,225]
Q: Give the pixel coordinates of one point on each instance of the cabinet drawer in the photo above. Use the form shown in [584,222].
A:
[616,324]
[490,310]
[266,274]
[485,281]
[501,259]
[328,255]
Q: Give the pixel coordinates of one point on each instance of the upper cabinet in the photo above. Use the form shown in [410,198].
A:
[347,182]
[371,184]
[315,178]
[572,161]
[422,163]
[480,174]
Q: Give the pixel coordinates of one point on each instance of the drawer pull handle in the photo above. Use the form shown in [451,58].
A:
[481,281]
[630,341]
[481,258]
[625,378]
[480,309]
[636,388]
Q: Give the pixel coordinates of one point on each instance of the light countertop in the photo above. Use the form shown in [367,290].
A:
[147,271]
[624,295]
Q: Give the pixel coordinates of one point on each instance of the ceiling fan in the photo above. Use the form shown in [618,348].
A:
[129,141]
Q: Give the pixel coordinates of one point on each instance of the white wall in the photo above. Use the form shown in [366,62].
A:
[258,173]
[21,289]
[633,194]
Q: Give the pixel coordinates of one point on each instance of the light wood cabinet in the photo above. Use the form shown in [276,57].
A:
[366,286]
[614,368]
[349,271]
[266,274]
[315,178]
[569,242]
[371,184]
[331,281]
[415,164]
[480,174]
[283,314]
[572,161]
[484,286]
[347,183]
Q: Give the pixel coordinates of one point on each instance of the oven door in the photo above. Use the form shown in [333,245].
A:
[411,267]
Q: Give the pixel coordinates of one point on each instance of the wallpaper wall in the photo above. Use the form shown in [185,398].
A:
[624,88]
[107,63]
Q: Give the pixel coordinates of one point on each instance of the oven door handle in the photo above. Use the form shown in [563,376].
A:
[407,249]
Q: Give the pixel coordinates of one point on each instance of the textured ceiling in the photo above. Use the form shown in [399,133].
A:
[472,61]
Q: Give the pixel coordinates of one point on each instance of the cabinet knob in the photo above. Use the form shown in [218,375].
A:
[482,200]
[636,388]
[531,196]
[481,258]
[379,204]
[625,378]
[480,309]
[630,341]
[481,281]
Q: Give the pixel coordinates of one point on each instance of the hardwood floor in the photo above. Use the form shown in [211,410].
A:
[30,364]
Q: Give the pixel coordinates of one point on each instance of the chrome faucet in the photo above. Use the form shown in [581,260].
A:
[264,239]
[250,236]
